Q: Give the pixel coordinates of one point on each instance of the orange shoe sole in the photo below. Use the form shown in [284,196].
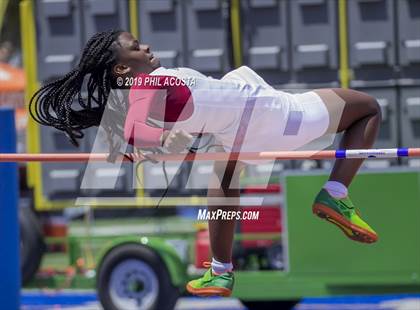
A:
[209,291]
[352,231]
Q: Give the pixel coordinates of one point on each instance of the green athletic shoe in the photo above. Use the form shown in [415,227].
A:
[212,285]
[342,213]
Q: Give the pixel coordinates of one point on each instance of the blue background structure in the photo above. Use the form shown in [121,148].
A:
[9,226]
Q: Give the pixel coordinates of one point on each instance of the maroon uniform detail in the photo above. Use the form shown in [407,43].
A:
[162,98]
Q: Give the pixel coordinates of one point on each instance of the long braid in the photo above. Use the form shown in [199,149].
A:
[54,104]
[60,103]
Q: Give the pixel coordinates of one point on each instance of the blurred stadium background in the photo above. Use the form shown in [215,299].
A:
[286,256]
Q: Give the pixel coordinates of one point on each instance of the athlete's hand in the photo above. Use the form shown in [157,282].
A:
[175,141]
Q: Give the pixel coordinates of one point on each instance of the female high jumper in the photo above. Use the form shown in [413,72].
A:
[241,102]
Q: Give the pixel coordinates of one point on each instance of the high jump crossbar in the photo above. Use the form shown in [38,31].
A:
[219,156]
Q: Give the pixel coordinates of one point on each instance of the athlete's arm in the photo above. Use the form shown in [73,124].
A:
[136,131]
[176,141]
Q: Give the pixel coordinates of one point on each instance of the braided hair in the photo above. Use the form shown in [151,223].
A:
[55,104]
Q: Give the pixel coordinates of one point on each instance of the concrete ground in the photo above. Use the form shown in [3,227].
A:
[86,300]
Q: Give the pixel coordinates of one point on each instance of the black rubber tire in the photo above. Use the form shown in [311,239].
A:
[167,295]
[270,305]
[32,246]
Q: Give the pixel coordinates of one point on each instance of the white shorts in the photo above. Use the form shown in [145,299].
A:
[305,119]
[315,120]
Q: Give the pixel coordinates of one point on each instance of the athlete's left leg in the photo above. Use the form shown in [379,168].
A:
[358,115]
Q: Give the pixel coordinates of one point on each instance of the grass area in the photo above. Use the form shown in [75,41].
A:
[58,260]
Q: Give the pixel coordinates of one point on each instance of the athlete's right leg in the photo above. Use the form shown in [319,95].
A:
[223,193]
[359,116]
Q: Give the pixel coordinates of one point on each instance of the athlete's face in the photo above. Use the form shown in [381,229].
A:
[134,58]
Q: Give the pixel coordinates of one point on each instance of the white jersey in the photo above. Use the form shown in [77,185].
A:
[278,121]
